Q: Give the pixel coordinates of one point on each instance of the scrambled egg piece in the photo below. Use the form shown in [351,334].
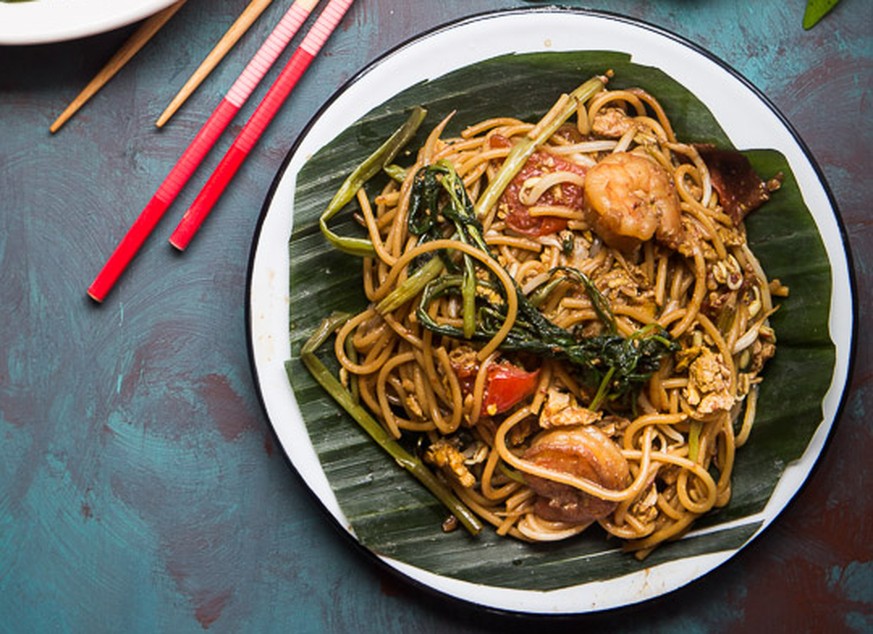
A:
[446,456]
[561,410]
[708,388]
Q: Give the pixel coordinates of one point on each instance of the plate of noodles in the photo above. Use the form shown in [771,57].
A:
[42,21]
[526,313]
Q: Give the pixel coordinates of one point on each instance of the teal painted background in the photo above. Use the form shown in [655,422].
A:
[140,486]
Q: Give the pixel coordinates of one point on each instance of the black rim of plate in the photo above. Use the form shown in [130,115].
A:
[429,591]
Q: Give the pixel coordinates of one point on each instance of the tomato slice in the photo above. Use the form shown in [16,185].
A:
[521,221]
[506,386]
[518,217]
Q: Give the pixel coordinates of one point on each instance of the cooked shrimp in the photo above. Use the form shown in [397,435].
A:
[630,198]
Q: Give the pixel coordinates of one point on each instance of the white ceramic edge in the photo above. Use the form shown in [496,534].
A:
[749,122]
[44,21]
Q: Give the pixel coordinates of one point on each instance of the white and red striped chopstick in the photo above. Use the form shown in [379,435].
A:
[199,147]
[256,125]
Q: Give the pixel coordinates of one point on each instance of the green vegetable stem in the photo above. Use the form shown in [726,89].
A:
[378,160]
[372,427]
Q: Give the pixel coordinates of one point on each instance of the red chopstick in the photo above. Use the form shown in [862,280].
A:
[257,124]
[197,150]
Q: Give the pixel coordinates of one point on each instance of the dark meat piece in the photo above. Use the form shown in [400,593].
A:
[740,189]
[582,451]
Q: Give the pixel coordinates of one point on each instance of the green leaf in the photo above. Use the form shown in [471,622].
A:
[816,10]
[389,511]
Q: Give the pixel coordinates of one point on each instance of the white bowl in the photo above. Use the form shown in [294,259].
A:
[42,21]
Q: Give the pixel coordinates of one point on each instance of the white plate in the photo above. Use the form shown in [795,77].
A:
[42,21]
[745,115]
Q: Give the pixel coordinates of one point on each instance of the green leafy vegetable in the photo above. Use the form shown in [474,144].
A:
[816,10]
[425,215]
[610,362]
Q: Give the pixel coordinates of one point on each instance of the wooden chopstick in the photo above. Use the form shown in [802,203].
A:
[130,48]
[256,125]
[248,17]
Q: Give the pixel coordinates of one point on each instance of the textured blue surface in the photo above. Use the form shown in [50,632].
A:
[140,488]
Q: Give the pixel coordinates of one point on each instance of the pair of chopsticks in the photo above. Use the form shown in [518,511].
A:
[209,133]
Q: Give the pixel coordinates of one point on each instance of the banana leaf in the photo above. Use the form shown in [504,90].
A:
[389,512]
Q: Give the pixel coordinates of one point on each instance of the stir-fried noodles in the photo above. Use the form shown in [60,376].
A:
[567,315]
